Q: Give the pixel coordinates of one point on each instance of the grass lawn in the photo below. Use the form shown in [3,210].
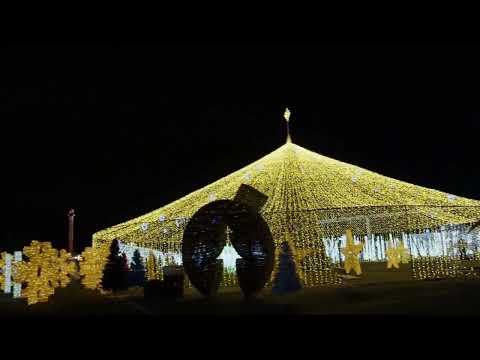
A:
[357,297]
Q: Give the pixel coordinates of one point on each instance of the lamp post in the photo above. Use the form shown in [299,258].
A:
[71,215]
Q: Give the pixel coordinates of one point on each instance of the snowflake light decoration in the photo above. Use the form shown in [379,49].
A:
[260,167]
[2,274]
[44,271]
[91,268]
[64,268]
[144,226]
[180,221]
[248,177]
[451,198]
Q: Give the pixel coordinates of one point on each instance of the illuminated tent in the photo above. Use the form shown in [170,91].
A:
[312,197]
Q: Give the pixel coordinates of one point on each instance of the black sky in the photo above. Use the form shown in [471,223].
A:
[116,132]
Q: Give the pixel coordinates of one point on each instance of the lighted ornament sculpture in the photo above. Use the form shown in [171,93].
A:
[92,265]
[351,253]
[206,235]
[311,196]
[44,271]
[393,257]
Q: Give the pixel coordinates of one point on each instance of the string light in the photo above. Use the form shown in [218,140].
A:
[435,267]
[312,198]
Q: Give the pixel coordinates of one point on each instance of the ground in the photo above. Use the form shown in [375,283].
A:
[400,297]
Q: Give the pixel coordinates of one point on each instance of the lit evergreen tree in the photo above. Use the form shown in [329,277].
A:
[115,272]
[286,279]
[137,270]
[137,262]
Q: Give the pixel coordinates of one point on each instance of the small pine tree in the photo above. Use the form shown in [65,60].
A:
[137,270]
[137,262]
[115,273]
[286,279]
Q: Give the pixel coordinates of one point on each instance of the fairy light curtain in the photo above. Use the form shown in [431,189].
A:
[316,199]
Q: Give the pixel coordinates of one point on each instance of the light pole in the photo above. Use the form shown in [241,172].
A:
[71,215]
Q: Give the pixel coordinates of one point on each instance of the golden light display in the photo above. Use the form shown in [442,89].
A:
[435,267]
[311,197]
[64,268]
[152,267]
[92,265]
[351,252]
[2,264]
[404,253]
[393,257]
[43,271]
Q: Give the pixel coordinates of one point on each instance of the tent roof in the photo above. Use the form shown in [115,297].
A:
[299,181]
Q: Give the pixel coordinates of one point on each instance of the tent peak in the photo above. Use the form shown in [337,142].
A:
[286,115]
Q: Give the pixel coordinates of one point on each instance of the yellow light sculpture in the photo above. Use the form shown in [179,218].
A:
[310,197]
[64,268]
[393,257]
[92,265]
[404,253]
[2,275]
[44,271]
[351,253]
[152,267]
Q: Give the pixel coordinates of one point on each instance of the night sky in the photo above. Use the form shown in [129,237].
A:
[115,132]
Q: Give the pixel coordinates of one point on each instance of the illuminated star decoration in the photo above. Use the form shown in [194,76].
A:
[393,257]
[286,115]
[351,253]
[92,265]
[397,255]
[404,253]
[44,271]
